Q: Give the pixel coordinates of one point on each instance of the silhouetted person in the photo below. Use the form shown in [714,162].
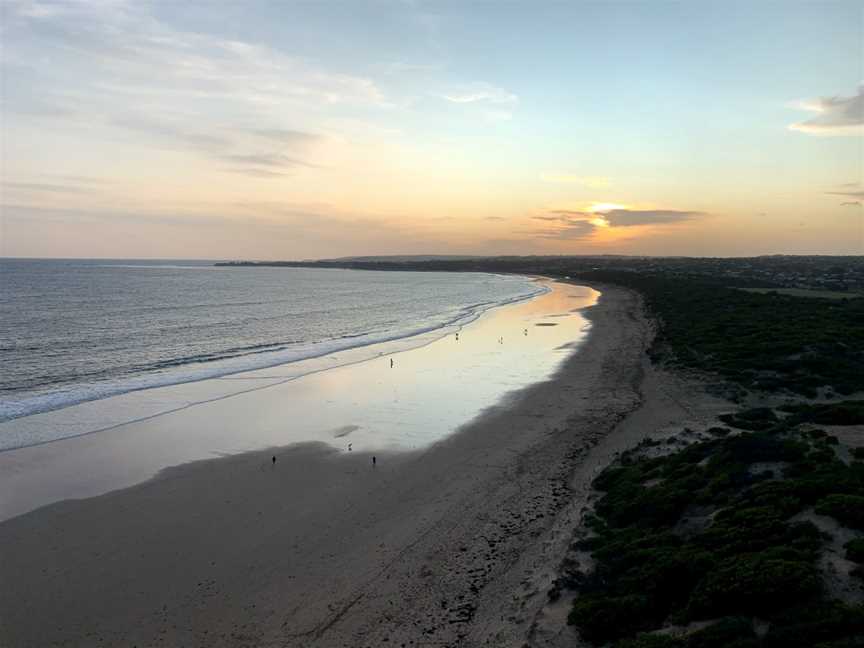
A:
[274,460]
[391,363]
[374,460]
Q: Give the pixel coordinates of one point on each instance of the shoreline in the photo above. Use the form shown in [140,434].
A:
[452,543]
[317,357]
[439,385]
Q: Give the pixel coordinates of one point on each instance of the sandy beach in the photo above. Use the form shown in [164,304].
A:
[454,544]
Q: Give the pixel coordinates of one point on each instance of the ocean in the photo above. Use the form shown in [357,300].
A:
[73,331]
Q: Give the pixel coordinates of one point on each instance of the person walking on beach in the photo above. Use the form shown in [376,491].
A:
[374,460]
[391,363]
[274,460]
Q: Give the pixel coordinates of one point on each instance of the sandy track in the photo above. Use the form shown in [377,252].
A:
[454,546]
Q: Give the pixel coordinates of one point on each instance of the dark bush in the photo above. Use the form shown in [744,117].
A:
[849,412]
[855,550]
[650,641]
[758,584]
[733,632]
[605,618]
[806,626]
[848,510]
[759,418]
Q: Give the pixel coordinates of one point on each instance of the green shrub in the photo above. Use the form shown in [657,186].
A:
[756,584]
[759,418]
[650,641]
[806,626]
[605,618]
[855,550]
[749,560]
[772,342]
[848,510]
[733,632]
[850,412]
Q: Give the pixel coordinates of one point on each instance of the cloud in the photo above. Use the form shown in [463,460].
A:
[42,187]
[116,55]
[847,194]
[835,115]
[565,224]
[480,93]
[631,217]
[204,142]
[851,203]
[276,160]
[257,173]
[261,147]
[286,136]
[569,231]
[572,224]
[561,215]
[594,182]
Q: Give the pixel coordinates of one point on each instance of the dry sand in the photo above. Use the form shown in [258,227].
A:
[453,546]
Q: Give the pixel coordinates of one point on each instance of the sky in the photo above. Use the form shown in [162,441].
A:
[297,130]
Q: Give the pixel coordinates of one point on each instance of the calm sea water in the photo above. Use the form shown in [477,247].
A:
[78,330]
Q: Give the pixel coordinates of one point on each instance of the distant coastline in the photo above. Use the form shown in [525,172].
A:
[834,274]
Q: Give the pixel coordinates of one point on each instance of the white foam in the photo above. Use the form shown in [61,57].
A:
[392,341]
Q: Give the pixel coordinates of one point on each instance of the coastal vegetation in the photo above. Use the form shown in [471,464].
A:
[805,292]
[722,533]
[733,536]
[768,342]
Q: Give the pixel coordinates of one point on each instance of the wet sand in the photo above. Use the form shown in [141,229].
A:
[452,544]
[435,385]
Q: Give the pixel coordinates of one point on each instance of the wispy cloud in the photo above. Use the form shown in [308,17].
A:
[254,148]
[285,136]
[834,115]
[275,160]
[566,229]
[124,68]
[631,217]
[480,93]
[859,193]
[184,134]
[41,187]
[570,224]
